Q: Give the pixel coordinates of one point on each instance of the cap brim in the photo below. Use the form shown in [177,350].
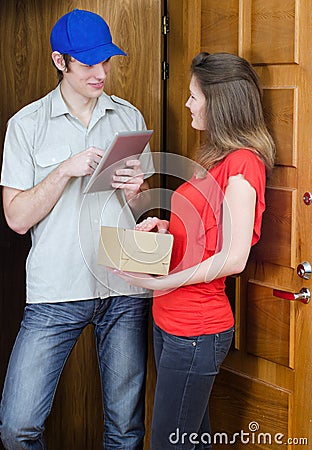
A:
[98,54]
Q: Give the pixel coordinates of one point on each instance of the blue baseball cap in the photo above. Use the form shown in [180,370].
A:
[85,36]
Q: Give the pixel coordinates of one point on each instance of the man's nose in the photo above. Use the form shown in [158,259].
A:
[102,69]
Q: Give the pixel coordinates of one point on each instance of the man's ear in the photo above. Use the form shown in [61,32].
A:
[58,60]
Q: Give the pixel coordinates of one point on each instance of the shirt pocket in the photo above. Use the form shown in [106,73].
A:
[48,159]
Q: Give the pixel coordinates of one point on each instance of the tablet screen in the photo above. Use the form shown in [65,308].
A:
[125,145]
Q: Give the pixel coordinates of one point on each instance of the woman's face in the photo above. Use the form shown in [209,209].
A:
[197,105]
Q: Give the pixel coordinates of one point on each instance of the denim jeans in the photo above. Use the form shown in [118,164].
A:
[186,370]
[47,335]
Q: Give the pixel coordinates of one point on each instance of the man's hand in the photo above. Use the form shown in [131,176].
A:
[129,179]
[83,163]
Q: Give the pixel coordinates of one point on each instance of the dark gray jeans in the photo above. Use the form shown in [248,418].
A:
[186,370]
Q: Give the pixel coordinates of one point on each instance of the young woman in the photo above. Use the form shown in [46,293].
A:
[215,219]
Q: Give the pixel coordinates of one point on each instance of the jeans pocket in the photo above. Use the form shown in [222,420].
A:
[178,352]
[223,342]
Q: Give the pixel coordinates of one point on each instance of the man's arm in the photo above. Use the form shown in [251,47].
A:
[24,209]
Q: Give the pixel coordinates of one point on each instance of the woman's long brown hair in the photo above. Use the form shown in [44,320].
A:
[234,109]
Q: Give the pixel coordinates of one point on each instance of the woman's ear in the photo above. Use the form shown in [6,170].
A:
[58,60]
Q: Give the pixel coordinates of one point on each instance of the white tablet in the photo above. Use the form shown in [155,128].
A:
[125,145]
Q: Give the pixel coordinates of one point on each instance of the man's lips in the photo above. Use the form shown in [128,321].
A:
[97,85]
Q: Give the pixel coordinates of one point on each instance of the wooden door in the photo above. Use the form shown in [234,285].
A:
[26,74]
[263,392]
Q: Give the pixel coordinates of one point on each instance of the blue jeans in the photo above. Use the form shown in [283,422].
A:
[47,335]
[186,370]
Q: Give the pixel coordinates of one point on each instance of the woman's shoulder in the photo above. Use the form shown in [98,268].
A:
[243,154]
[243,158]
[241,161]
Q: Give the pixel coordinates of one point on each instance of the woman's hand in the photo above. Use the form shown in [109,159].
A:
[153,224]
[142,280]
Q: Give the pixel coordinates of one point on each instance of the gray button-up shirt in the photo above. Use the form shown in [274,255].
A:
[62,263]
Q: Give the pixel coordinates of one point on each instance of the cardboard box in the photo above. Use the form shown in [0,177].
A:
[135,251]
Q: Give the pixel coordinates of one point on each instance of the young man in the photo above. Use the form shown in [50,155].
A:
[51,148]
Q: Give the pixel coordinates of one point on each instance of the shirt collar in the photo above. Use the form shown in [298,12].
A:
[60,108]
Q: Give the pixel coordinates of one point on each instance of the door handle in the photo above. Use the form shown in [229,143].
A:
[304,270]
[307,198]
[304,296]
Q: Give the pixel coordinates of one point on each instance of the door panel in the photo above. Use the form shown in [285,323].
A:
[269,326]
[280,105]
[278,243]
[263,383]
[274,22]
[254,403]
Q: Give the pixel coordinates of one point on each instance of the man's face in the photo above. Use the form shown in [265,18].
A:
[88,81]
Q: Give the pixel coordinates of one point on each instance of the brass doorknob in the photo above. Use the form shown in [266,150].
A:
[303,296]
